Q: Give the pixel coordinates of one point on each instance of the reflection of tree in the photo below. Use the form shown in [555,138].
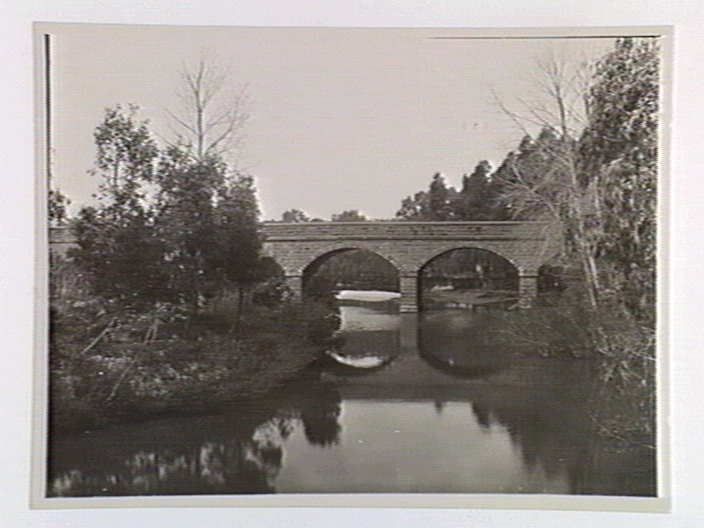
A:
[246,462]
[320,417]
[560,439]
[238,452]
[482,415]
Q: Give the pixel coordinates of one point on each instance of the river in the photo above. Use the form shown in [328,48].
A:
[410,403]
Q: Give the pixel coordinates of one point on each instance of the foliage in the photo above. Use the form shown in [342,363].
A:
[123,378]
[125,159]
[598,183]
[349,216]
[117,244]
[235,254]
[294,216]
[415,207]
[477,200]
[58,207]
[618,152]
[184,221]
[435,204]
[195,235]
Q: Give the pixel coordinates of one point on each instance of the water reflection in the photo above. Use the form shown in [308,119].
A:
[370,339]
[241,451]
[449,412]
[462,344]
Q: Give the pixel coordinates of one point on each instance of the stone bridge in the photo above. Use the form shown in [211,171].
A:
[409,246]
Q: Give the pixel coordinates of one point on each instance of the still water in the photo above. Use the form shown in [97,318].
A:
[410,403]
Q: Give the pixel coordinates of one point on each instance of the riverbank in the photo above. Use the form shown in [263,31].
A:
[469,299]
[123,379]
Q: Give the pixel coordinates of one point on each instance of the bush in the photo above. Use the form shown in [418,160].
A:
[623,353]
[106,370]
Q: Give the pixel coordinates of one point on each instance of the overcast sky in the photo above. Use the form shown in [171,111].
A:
[340,118]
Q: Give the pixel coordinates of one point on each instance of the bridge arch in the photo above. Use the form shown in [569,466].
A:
[407,245]
[474,267]
[410,245]
[312,268]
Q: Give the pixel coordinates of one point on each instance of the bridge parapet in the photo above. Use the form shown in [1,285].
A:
[409,246]
[403,230]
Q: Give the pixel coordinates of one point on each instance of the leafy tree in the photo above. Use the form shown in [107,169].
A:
[117,243]
[238,244]
[415,208]
[440,199]
[438,203]
[595,178]
[618,152]
[294,216]
[185,221]
[58,207]
[125,159]
[349,216]
[532,181]
[478,199]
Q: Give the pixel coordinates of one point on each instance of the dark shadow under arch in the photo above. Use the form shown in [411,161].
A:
[466,268]
[362,269]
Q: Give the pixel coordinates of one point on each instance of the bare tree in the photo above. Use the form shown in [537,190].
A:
[549,188]
[212,116]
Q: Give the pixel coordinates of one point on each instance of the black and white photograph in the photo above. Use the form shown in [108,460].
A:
[342,261]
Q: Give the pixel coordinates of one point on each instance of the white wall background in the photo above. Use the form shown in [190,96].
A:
[17,224]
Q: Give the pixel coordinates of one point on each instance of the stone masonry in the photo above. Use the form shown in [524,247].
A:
[409,246]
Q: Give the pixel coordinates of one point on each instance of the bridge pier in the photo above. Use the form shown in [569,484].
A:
[409,293]
[527,289]
[295,284]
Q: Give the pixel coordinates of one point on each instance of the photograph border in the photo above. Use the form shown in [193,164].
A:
[660,503]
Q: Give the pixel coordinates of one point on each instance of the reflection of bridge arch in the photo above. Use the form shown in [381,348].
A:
[409,246]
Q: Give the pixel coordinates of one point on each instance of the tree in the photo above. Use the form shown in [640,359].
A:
[185,221]
[235,255]
[618,152]
[208,211]
[542,180]
[440,199]
[349,216]
[58,207]
[436,204]
[211,119]
[125,159]
[294,216]
[592,171]
[477,199]
[415,208]
[117,244]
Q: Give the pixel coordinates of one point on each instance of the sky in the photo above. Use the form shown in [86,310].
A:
[339,118]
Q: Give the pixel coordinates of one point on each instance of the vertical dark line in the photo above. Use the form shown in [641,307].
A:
[47,104]
[47,160]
